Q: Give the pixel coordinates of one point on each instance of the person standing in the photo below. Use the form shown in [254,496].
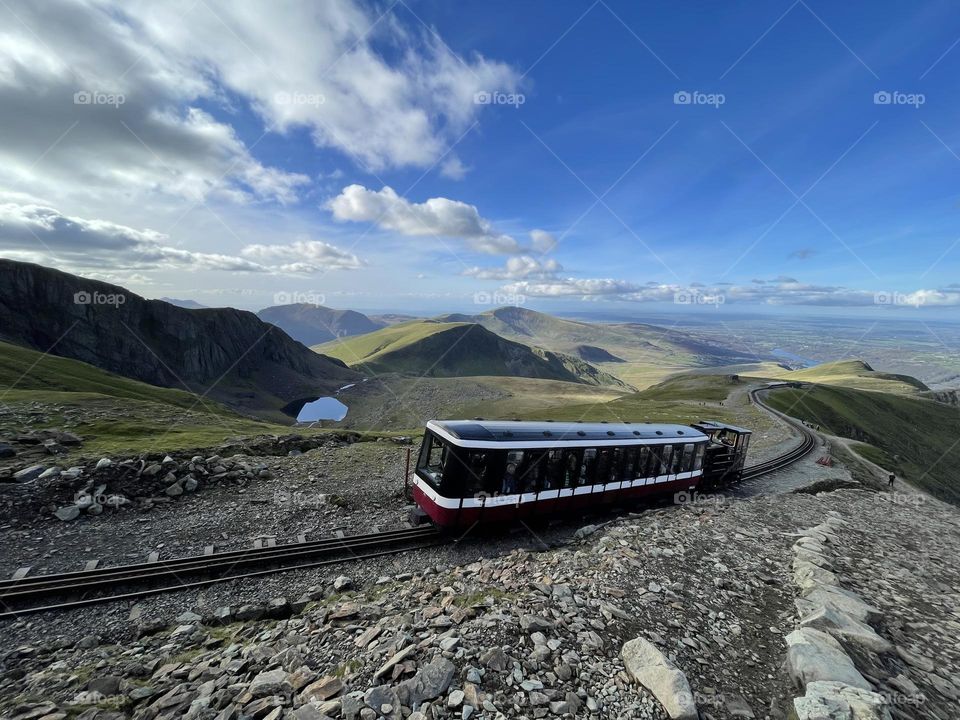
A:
[890,480]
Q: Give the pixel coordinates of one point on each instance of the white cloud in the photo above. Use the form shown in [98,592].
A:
[453,168]
[543,241]
[304,256]
[568,287]
[779,291]
[437,216]
[517,268]
[35,233]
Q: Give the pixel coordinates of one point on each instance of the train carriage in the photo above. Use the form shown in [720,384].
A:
[476,471]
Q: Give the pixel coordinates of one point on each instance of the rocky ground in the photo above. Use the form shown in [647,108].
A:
[497,626]
[536,634]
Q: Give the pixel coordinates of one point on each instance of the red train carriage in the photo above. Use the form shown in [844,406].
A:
[471,471]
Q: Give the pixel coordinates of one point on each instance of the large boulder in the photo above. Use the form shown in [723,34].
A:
[814,655]
[825,700]
[652,669]
[842,600]
[846,628]
[431,681]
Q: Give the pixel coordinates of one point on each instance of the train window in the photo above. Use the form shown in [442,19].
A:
[686,464]
[476,465]
[588,467]
[665,453]
[511,474]
[532,471]
[628,470]
[571,468]
[698,458]
[432,459]
[554,476]
[606,465]
[643,462]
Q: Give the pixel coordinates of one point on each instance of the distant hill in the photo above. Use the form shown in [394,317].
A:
[591,353]
[640,352]
[315,324]
[227,354]
[451,349]
[188,304]
[854,374]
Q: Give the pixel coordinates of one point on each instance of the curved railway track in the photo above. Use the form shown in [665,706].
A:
[62,591]
[808,441]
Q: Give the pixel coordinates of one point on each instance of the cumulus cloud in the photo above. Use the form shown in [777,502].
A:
[780,291]
[569,287]
[304,256]
[518,268]
[100,95]
[543,241]
[436,216]
[36,233]
[454,168]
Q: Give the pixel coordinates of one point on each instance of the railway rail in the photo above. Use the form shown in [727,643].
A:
[63,591]
[808,441]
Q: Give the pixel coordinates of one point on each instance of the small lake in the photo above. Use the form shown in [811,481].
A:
[325,408]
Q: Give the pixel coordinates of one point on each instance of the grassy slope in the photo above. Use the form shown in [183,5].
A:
[457,349]
[112,413]
[852,374]
[373,346]
[918,436]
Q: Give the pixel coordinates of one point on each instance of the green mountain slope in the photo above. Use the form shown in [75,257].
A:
[639,354]
[919,436]
[852,374]
[456,349]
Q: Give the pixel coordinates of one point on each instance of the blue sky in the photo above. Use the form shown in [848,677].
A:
[785,181]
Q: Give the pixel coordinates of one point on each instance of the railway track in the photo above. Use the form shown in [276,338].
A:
[808,441]
[62,591]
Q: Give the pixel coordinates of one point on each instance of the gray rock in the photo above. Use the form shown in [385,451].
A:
[273,682]
[342,583]
[652,669]
[105,685]
[431,681]
[814,655]
[7,451]
[825,700]
[535,623]
[844,627]
[68,513]
[175,490]
[103,463]
[28,474]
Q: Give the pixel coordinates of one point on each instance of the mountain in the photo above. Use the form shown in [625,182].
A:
[227,354]
[188,304]
[854,374]
[451,349]
[315,324]
[639,353]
